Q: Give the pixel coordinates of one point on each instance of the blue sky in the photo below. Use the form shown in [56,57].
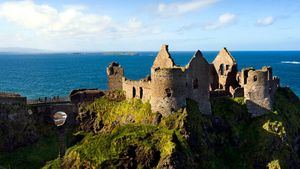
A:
[135,25]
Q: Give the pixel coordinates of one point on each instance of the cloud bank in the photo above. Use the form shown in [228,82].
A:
[71,21]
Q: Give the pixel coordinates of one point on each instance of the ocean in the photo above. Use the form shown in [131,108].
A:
[41,75]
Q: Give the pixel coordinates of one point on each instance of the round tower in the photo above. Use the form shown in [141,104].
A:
[168,90]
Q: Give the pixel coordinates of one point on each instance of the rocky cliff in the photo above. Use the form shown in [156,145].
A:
[126,134]
[16,126]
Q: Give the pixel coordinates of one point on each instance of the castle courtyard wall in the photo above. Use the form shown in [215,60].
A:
[142,89]
[170,85]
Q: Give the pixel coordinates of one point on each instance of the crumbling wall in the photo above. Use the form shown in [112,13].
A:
[244,75]
[137,89]
[115,74]
[273,81]
[168,90]
[163,58]
[169,85]
[213,78]
[257,92]
[226,68]
[197,83]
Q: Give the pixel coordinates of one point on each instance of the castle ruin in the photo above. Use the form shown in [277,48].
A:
[169,85]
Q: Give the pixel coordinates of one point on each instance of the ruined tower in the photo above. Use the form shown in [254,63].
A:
[167,84]
[259,89]
[226,70]
[257,92]
[115,74]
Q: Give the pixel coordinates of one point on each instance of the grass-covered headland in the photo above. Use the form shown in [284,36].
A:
[119,133]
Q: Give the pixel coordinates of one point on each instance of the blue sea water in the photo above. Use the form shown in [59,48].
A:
[40,75]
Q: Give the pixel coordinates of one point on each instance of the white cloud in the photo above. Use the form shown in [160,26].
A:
[224,20]
[72,21]
[265,21]
[46,19]
[179,8]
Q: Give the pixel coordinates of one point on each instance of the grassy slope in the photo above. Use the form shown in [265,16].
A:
[35,155]
[228,139]
[123,134]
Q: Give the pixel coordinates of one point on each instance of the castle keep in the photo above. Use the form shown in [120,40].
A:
[169,85]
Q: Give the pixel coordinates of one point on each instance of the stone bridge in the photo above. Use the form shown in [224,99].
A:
[44,111]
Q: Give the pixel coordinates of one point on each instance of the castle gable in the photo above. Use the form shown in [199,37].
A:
[196,59]
[224,56]
[163,58]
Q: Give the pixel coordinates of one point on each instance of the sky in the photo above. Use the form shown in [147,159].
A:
[144,25]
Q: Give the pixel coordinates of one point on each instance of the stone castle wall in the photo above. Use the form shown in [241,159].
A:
[168,90]
[136,89]
[259,91]
[226,69]
[12,99]
[198,82]
[115,74]
[170,85]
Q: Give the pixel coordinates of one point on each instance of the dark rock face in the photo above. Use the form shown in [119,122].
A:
[85,95]
[16,124]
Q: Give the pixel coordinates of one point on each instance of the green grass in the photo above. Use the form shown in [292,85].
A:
[126,136]
[110,114]
[102,150]
[34,156]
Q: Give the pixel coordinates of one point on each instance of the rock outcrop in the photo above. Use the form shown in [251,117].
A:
[16,125]
[127,134]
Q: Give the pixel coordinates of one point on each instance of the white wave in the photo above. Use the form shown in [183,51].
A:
[290,62]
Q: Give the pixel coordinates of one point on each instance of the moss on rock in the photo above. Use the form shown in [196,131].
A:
[122,134]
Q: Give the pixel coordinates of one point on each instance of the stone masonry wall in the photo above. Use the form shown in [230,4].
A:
[168,90]
[137,89]
[170,85]
[115,74]
[226,68]
[198,82]
[257,94]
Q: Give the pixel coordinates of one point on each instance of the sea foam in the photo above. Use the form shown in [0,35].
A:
[291,62]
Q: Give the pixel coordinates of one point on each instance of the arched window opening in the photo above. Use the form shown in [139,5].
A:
[168,92]
[195,84]
[133,92]
[141,92]
[222,69]
[255,78]
[221,86]
[227,67]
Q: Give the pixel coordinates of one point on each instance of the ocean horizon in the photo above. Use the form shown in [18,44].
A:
[37,75]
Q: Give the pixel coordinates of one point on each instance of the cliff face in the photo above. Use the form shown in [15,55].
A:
[126,134]
[16,126]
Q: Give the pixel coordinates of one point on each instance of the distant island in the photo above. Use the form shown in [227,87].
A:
[121,53]
[23,50]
